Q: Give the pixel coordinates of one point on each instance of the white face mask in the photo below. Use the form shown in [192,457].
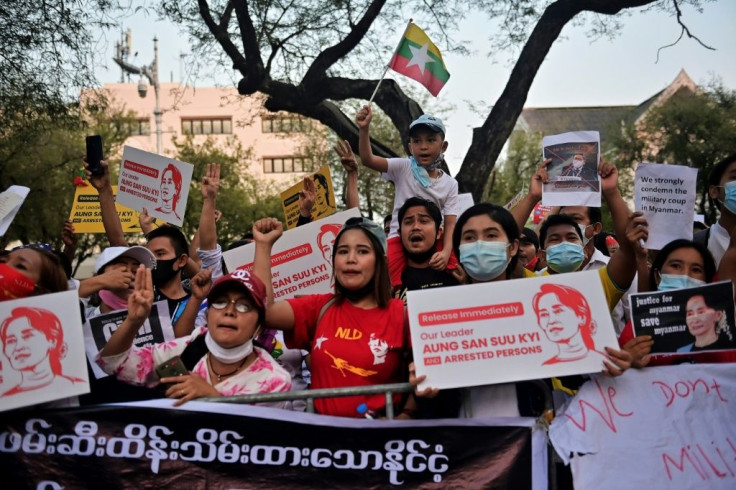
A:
[582,228]
[578,163]
[228,356]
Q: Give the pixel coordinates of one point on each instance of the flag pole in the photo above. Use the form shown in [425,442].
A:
[375,91]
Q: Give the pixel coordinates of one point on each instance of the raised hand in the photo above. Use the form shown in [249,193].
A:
[211,181]
[539,178]
[68,236]
[347,157]
[98,182]
[609,177]
[307,196]
[267,230]
[364,116]
[201,284]
[637,229]
[146,221]
[141,299]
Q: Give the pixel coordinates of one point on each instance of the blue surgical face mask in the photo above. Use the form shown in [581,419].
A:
[668,282]
[484,260]
[730,201]
[565,257]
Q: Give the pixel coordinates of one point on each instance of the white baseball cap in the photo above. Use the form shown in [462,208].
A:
[141,254]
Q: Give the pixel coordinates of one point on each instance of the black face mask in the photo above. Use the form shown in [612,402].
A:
[164,272]
[358,294]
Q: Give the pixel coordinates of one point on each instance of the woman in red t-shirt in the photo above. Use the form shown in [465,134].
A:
[680,264]
[355,335]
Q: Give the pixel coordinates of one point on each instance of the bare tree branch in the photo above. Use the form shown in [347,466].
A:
[331,55]
[684,30]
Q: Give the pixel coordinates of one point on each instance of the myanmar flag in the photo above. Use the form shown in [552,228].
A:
[418,58]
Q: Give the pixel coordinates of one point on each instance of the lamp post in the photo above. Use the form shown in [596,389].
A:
[151,73]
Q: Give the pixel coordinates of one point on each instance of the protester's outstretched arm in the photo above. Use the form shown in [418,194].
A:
[207,220]
[727,267]
[266,231]
[110,218]
[139,307]
[201,284]
[524,209]
[622,266]
[347,158]
[363,119]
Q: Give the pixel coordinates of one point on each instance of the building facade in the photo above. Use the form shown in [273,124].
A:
[279,143]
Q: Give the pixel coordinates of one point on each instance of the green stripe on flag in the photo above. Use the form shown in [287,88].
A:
[437,68]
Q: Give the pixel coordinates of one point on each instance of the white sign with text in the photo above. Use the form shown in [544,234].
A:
[532,328]
[155,182]
[666,196]
[301,260]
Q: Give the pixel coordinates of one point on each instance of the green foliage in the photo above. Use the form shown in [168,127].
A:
[242,199]
[696,130]
[46,161]
[513,174]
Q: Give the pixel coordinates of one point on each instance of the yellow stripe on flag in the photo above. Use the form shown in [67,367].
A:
[416,35]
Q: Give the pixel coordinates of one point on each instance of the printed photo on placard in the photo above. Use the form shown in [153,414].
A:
[502,332]
[324,202]
[154,182]
[42,350]
[685,321]
[301,260]
[98,330]
[573,172]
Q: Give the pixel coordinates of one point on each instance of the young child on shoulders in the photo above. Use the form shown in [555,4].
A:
[418,175]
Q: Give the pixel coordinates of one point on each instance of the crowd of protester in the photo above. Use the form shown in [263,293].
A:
[232,338]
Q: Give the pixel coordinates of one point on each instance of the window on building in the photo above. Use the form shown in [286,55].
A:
[280,165]
[207,126]
[286,123]
[136,127]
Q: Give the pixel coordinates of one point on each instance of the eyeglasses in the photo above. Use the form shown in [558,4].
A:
[240,305]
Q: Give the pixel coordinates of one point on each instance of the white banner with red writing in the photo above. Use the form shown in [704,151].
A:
[301,260]
[510,331]
[157,183]
[656,428]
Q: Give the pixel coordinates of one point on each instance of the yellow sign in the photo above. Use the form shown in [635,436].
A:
[324,202]
[86,216]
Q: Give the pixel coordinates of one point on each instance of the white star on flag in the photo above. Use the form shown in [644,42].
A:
[420,57]
[318,342]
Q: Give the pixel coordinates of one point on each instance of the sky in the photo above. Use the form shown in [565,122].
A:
[576,72]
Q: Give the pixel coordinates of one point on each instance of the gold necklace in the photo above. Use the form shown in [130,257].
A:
[224,375]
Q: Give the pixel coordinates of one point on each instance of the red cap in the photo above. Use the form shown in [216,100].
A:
[244,278]
[610,241]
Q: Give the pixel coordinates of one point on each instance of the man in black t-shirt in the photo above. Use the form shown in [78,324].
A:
[419,229]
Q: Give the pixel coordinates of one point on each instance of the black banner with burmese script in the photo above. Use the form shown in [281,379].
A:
[535,328]
[209,445]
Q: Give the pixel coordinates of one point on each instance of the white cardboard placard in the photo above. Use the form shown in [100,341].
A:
[490,333]
[43,350]
[666,195]
[301,260]
[157,183]
[10,202]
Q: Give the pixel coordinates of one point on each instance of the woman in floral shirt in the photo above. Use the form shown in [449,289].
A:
[229,364]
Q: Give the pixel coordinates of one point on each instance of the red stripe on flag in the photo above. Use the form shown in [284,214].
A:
[434,85]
